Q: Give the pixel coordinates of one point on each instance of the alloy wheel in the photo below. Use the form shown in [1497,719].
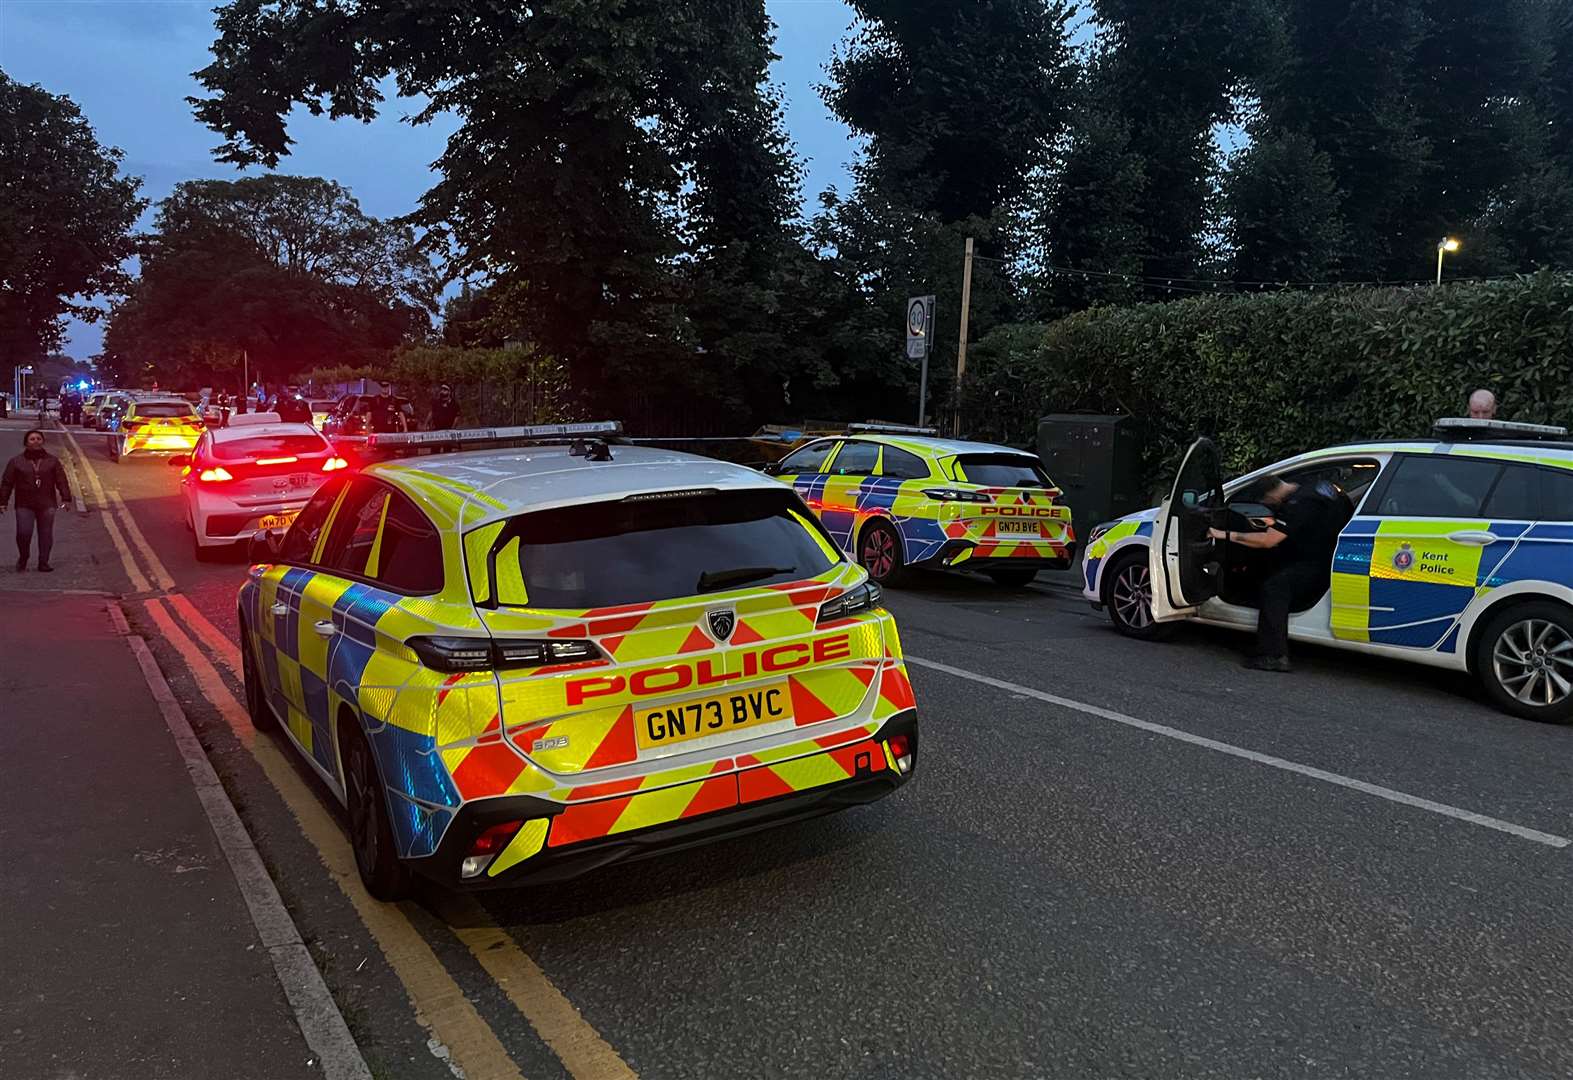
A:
[1533,661]
[1132,596]
[879,553]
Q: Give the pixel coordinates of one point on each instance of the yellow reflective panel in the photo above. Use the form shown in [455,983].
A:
[374,559]
[327,526]
[476,544]
[829,549]
[510,577]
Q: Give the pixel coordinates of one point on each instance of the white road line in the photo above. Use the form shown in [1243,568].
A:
[1521,831]
[315,1011]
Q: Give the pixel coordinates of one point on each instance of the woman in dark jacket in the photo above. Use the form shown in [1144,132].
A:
[39,481]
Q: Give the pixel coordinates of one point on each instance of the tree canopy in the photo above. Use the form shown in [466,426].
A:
[285,270]
[65,218]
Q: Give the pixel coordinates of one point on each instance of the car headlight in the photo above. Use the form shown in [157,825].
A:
[1099,530]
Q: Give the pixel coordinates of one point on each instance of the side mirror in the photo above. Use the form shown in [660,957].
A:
[771,468]
[179,459]
[264,546]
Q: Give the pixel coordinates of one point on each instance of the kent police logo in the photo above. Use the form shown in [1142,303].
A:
[722,623]
[1404,557]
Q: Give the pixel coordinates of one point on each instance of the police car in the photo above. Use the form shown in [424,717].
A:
[156,424]
[1455,552]
[900,499]
[516,664]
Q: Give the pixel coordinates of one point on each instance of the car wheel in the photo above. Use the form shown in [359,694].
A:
[371,834]
[879,552]
[257,707]
[1127,594]
[1524,659]
[1013,577]
[211,553]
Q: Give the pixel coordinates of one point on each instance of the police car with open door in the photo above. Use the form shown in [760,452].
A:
[1455,552]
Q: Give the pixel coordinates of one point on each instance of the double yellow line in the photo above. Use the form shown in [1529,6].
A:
[440,1004]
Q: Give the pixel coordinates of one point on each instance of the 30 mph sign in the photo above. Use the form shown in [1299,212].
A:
[920,324]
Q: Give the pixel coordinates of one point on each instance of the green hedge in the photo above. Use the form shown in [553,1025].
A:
[1270,375]
[494,387]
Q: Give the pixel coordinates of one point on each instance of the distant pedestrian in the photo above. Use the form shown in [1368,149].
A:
[1482,405]
[39,481]
[444,409]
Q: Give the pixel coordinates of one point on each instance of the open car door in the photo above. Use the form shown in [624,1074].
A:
[1184,564]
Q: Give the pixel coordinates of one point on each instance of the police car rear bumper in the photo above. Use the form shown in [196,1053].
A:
[570,861]
[951,552]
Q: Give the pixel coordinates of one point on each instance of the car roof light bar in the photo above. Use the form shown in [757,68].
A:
[891,429]
[599,429]
[1470,429]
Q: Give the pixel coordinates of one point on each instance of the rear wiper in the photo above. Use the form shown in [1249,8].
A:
[711,580]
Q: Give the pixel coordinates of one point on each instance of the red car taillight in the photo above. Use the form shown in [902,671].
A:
[216,475]
[487,846]
[334,464]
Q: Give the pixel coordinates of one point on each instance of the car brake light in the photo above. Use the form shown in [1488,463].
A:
[217,474]
[277,460]
[956,495]
[333,464]
[865,597]
[487,846]
[901,750]
[458,654]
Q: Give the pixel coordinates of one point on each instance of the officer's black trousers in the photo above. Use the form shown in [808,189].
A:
[1291,588]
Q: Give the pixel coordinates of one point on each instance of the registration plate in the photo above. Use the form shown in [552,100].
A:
[299,480]
[1016,528]
[668,724]
[277,521]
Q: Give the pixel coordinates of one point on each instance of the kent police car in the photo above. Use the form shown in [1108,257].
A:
[1455,552]
[518,664]
[901,499]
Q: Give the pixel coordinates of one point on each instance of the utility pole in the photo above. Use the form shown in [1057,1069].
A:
[961,347]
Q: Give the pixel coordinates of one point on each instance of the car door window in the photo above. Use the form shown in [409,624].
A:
[1437,485]
[1556,495]
[1516,496]
[810,459]
[300,543]
[856,459]
[901,465]
[408,555]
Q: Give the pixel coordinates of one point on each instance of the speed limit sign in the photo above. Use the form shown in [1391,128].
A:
[920,325]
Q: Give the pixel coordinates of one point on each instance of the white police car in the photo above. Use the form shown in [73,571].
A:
[1456,552]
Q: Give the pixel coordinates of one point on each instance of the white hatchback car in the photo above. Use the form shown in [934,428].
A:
[255,474]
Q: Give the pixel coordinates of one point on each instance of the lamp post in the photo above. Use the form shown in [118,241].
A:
[1447,246]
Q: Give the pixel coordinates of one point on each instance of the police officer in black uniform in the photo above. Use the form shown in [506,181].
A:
[1301,539]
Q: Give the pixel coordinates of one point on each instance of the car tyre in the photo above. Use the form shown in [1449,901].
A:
[879,552]
[1013,577]
[206,553]
[1127,596]
[382,872]
[1524,660]
[257,707]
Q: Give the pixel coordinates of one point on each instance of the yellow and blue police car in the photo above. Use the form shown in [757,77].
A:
[901,499]
[519,663]
[1455,552]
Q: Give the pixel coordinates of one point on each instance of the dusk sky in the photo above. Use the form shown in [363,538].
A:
[128,64]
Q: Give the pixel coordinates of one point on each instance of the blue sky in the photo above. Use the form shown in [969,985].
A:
[127,63]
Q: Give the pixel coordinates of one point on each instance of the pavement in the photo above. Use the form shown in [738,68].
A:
[131,952]
[1117,859]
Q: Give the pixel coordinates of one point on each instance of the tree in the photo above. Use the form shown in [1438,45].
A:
[1282,214]
[605,154]
[287,270]
[957,104]
[65,219]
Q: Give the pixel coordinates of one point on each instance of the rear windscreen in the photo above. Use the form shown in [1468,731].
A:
[164,409]
[1001,470]
[268,446]
[647,549]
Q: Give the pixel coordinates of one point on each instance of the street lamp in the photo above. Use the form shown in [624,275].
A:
[1447,246]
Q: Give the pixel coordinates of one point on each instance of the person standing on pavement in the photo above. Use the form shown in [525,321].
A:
[39,481]
[1302,537]
[444,409]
